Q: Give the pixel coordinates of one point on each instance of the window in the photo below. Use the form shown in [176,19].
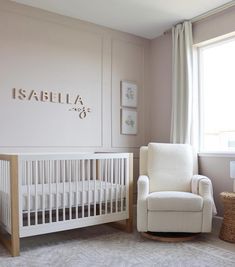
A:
[217,96]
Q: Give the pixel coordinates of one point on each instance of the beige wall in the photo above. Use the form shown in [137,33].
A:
[160,100]
[214,26]
[217,168]
[43,51]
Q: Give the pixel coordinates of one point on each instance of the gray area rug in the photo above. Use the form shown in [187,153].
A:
[105,246]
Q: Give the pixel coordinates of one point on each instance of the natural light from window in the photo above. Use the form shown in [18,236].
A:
[217,83]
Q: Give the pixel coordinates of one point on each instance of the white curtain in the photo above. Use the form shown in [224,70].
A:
[182,84]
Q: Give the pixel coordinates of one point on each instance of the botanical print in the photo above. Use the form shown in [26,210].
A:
[129,122]
[129,94]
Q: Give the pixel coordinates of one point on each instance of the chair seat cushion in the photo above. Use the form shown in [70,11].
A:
[174,201]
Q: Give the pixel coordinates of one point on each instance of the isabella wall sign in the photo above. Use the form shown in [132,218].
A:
[75,101]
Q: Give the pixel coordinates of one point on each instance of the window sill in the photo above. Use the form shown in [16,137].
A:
[217,154]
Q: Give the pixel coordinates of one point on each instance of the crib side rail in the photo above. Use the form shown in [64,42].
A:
[9,187]
[60,191]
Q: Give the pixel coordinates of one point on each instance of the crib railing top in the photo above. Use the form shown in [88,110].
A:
[66,156]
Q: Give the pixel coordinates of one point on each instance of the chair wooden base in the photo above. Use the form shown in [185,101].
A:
[170,237]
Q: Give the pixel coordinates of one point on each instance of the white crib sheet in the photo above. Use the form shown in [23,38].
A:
[69,194]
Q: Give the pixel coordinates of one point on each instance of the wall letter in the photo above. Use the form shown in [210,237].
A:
[22,94]
[14,93]
[54,97]
[44,96]
[68,99]
[78,100]
[33,94]
[61,99]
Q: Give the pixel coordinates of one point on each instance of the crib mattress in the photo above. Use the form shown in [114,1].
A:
[69,194]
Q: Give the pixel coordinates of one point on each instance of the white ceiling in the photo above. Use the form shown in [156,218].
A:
[146,18]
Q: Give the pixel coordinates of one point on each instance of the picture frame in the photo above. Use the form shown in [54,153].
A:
[129,122]
[129,94]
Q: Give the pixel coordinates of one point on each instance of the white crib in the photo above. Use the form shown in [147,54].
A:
[45,193]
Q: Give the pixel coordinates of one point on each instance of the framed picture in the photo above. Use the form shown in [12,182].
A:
[128,94]
[128,121]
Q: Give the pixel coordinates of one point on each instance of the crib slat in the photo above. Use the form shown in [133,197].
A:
[28,166]
[83,177]
[88,177]
[50,180]
[63,179]
[70,192]
[77,177]
[57,194]
[5,215]
[122,178]
[126,182]
[111,194]
[43,162]
[72,184]
[100,183]
[116,184]
[35,174]
[106,186]
[7,190]
[5,208]
[94,178]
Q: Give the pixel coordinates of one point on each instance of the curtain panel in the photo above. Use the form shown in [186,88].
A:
[182,84]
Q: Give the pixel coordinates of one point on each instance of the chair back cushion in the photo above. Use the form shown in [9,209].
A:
[170,167]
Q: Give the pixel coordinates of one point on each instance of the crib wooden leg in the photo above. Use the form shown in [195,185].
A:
[15,245]
[129,226]
[15,237]
[123,225]
[12,242]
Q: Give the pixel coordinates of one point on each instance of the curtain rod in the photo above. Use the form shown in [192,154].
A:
[209,13]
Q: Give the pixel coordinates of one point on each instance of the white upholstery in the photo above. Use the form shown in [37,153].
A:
[142,209]
[174,201]
[173,221]
[170,167]
[169,200]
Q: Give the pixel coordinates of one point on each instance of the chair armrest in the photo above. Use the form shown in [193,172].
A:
[142,207]
[143,187]
[201,185]
[205,188]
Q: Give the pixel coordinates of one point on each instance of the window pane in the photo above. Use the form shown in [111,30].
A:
[217,65]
